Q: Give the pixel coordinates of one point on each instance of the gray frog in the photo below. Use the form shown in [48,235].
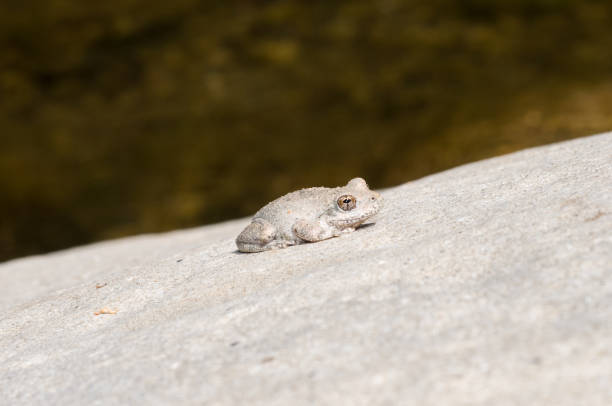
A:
[310,215]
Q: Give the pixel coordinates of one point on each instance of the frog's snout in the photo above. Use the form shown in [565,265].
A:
[376,200]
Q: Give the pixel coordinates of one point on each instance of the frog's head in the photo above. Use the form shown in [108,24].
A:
[354,204]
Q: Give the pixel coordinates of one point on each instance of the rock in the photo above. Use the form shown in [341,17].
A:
[488,284]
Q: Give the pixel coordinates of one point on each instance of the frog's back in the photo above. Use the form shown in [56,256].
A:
[306,204]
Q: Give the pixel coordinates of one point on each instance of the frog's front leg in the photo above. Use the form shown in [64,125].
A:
[346,231]
[313,230]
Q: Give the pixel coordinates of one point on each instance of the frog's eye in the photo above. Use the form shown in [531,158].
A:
[347,202]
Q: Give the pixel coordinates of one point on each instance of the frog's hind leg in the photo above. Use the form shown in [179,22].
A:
[257,236]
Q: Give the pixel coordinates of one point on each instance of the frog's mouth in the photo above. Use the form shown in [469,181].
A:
[353,221]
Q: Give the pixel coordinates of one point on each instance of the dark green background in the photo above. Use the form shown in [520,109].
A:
[123,117]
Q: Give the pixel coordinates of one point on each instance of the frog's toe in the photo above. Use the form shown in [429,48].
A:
[255,236]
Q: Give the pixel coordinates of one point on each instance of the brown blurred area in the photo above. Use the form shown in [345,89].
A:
[125,117]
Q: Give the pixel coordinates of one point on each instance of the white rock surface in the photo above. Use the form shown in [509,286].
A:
[489,284]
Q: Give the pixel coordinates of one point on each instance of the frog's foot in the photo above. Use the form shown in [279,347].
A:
[311,231]
[257,236]
[347,230]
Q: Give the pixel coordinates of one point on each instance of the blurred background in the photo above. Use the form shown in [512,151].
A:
[126,117]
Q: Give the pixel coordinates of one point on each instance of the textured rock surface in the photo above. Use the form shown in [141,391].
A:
[487,284]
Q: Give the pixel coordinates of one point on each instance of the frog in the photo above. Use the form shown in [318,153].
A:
[310,215]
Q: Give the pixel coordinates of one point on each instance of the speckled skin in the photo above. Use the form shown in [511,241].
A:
[308,215]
